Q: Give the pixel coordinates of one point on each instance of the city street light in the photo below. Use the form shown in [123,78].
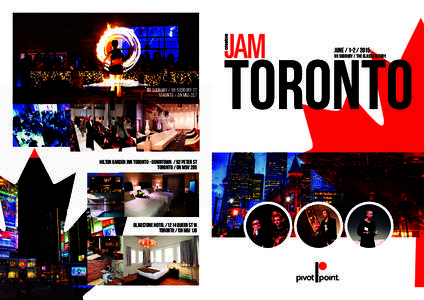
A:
[234,214]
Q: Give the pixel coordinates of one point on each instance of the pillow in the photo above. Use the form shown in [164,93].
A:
[155,266]
[158,266]
[145,191]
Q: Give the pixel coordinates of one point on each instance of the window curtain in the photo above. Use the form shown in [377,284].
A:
[196,251]
[146,257]
[188,251]
[128,259]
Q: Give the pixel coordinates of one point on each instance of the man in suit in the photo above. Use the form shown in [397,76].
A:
[328,227]
[258,236]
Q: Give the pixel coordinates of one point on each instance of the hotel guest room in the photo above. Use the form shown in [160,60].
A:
[161,194]
[164,260]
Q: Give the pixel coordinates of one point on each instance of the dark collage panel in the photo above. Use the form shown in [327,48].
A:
[56,60]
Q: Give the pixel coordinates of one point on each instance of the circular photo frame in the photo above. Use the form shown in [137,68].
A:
[318,225]
[268,225]
[369,224]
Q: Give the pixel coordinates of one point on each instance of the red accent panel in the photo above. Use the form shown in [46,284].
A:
[349,130]
[419,262]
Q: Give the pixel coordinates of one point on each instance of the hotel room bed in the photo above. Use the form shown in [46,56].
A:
[165,196]
[154,274]
[146,207]
[155,204]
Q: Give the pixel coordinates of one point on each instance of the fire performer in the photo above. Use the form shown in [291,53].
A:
[116,70]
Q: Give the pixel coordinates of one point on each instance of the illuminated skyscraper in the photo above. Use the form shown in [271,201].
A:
[9,238]
[276,170]
[239,183]
[289,194]
[258,188]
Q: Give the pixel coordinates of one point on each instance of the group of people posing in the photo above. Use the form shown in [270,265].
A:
[275,236]
[317,232]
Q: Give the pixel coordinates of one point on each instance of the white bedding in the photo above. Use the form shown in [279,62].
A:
[93,256]
[146,207]
[165,196]
[163,269]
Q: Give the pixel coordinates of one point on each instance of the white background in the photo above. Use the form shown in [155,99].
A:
[299,30]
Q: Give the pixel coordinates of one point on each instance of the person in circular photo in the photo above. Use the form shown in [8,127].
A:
[318,225]
[267,225]
[369,224]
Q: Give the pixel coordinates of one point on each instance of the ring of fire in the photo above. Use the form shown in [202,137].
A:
[116,34]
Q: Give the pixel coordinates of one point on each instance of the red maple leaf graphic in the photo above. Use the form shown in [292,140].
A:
[353,130]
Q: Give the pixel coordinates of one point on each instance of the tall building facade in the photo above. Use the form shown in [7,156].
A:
[301,187]
[258,190]
[276,170]
[289,193]
[9,237]
[238,184]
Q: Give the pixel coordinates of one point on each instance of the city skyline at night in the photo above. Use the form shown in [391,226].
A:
[239,181]
[340,179]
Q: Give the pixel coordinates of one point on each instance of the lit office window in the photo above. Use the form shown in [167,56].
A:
[164,39]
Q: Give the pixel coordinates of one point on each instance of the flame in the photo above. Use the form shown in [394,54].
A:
[118,33]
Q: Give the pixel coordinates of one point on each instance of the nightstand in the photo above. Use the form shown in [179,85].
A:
[174,273]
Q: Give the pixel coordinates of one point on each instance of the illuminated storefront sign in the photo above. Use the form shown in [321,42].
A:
[8,240]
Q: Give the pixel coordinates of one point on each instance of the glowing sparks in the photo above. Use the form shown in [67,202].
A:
[119,33]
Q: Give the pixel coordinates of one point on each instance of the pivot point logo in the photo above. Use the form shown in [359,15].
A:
[317,277]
